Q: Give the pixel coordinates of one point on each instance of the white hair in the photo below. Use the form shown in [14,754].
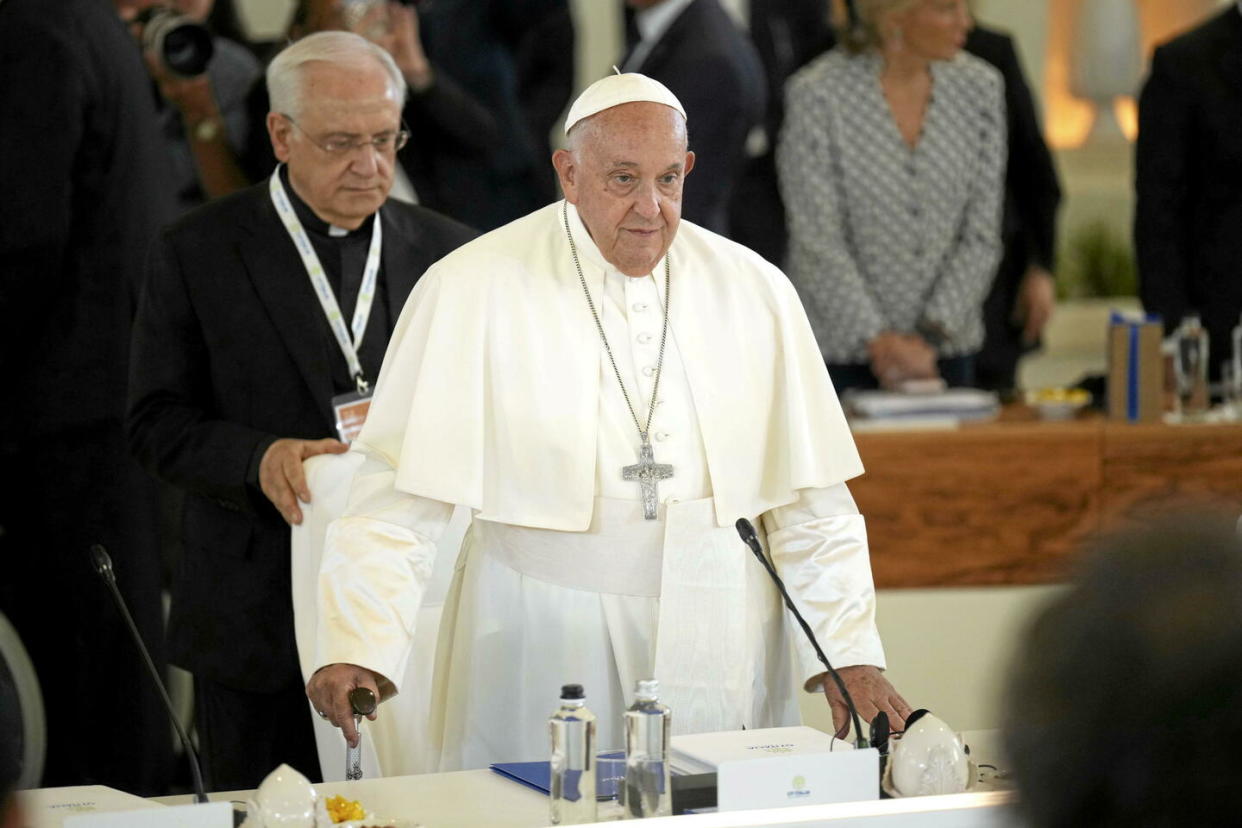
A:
[284,73]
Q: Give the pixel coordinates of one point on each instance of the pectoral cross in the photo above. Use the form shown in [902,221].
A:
[648,473]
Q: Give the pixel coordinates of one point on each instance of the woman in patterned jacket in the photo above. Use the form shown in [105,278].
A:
[892,165]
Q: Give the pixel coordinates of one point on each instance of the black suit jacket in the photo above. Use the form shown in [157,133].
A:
[714,71]
[81,196]
[480,45]
[1188,218]
[787,34]
[1032,197]
[231,351]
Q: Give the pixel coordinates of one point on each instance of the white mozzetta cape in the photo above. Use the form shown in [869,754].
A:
[489,396]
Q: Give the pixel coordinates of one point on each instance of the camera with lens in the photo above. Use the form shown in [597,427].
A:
[183,46]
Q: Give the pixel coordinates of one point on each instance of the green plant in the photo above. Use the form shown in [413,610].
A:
[1096,261]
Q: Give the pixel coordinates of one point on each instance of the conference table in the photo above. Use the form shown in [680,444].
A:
[468,799]
[1012,501]
[483,798]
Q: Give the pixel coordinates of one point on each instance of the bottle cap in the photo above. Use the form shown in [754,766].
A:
[647,689]
[572,691]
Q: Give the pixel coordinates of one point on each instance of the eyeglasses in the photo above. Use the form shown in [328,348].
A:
[384,143]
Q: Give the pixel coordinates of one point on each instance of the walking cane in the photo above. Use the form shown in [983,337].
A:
[362,701]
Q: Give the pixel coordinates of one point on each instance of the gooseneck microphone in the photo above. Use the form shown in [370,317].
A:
[103,565]
[747,532]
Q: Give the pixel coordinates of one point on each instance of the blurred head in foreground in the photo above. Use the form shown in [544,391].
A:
[1125,701]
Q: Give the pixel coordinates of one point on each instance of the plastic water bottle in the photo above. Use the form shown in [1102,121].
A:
[573,759]
[647,789]
[1192,365]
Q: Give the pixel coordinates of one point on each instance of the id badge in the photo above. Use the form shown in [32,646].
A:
[350,411]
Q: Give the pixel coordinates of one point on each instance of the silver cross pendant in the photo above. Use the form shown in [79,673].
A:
[648,473]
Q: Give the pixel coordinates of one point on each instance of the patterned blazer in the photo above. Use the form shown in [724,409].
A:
[882,237]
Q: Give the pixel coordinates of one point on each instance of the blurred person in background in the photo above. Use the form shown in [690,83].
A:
[1188,179]
[787,35]
[202,115]
[695,49]
[545,72]
[1124,701]
[892,164]
[484,46]
[81,171]
[1023,295]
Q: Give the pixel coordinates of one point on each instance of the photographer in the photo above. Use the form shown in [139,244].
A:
[202,81]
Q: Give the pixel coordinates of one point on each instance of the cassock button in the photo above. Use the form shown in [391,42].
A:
[644,338]
[639,307]
[648,371]
[662,436]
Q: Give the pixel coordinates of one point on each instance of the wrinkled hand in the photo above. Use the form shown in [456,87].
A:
[896,357]
[871,693]
[328,690]
[405,46]
[1037,298]
[281,476]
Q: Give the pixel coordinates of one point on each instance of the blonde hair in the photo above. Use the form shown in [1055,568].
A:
[866,35]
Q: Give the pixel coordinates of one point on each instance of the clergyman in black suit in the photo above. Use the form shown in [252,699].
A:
[1022,297]
[1188,218]
[697,51]
[236,366]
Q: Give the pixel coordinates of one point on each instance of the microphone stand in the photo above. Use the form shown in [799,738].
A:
[103,566]
[751,539]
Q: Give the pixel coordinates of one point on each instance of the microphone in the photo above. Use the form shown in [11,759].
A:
[103,566]
[747,532]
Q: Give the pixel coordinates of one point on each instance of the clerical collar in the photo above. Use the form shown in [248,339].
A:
[652,23]
[311,221]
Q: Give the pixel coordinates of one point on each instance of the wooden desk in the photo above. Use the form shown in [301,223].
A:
[1011,502]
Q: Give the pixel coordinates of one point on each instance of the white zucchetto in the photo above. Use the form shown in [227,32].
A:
[614,90]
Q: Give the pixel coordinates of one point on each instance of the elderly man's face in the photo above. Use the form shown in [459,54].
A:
[341,104]
[625,176]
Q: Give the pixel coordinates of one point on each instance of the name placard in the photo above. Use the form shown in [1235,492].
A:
[204,815]
[799,779]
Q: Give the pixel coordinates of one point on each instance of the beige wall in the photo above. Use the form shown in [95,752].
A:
[948,649]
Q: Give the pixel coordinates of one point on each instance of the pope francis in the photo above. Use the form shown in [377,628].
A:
[607,389]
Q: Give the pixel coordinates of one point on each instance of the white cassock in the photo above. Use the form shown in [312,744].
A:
[496,394]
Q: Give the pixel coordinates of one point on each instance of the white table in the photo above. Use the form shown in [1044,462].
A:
[481,797]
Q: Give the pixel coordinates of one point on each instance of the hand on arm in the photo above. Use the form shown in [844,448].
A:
[281,476]
[871,692]
[329,688]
